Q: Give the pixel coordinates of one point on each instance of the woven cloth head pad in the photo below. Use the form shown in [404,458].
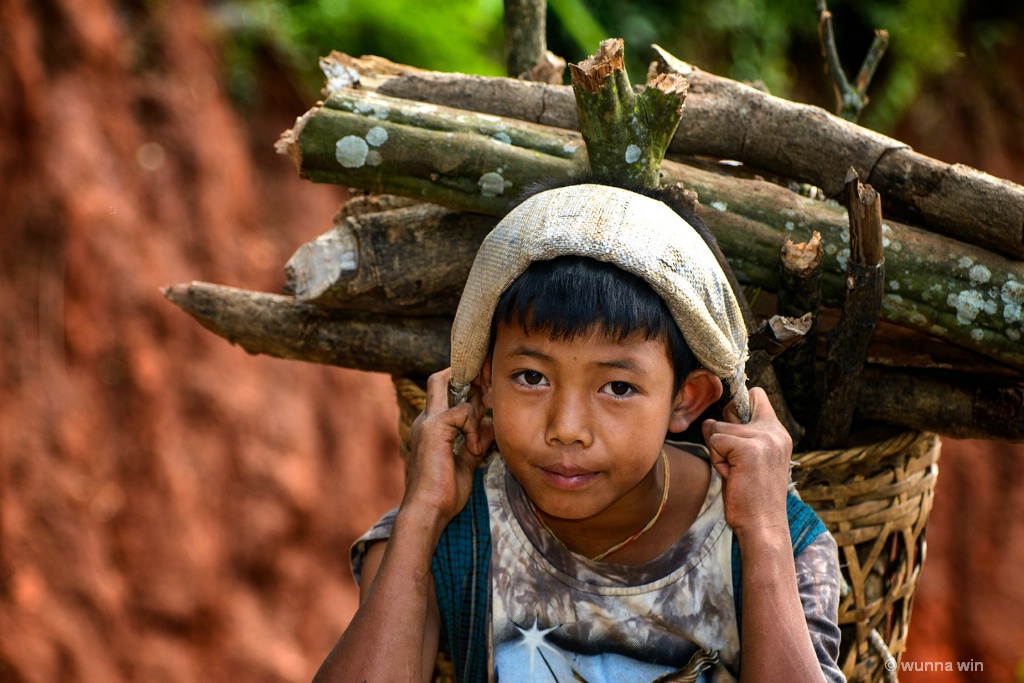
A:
[639,234]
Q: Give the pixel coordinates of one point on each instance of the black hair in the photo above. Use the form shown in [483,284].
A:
[572,296]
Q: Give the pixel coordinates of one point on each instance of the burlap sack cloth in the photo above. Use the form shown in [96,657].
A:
[642,236]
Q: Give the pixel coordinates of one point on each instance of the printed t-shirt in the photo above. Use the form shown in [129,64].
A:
[558,616]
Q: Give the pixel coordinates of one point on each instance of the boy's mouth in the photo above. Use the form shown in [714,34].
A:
[567,477]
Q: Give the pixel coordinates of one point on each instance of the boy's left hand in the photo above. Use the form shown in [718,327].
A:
[753,460]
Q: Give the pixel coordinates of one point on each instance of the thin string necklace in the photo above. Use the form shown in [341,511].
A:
[621,544]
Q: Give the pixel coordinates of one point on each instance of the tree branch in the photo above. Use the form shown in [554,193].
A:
[800,293]
[277,326]
[848,342]
[956,291]
[626,134]
[953,200]
[525,35]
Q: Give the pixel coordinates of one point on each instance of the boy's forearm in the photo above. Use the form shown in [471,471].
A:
[776,645]
[387,636]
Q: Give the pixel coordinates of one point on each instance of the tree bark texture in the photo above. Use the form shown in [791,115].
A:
[452,157]
[626,134]
[954,405]
[849,340]
[729,120]
[935,285]
[279,326]
[525,35]
[410,261]
[800,293]
[742,123]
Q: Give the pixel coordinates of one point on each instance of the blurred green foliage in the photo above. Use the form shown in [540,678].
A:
[772,42]
[453,35]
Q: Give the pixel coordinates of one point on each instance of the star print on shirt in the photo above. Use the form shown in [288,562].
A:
[534,640]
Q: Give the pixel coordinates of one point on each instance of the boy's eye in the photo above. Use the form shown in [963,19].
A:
[620,389]
[531,378]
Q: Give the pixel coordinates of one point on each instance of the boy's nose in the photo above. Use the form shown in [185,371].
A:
[568,423]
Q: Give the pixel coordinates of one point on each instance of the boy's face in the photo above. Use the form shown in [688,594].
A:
[581,423]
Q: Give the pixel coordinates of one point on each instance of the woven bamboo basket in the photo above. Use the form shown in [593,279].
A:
[875,500]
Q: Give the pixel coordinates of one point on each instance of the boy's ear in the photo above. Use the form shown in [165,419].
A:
[700,390]
[483,382]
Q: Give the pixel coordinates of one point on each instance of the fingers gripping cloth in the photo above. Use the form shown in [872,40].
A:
[639,234]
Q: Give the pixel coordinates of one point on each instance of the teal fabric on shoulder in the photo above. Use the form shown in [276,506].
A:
[804,527]
[460,567]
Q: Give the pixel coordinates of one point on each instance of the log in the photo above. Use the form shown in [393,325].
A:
[955,405]
[448,156]
[951,404]
[626,134]
[361,204]
[800,293]
[729,120]
[759,368]
[956,291]
[849,339]
[412,260]
[735,121]
[278,326]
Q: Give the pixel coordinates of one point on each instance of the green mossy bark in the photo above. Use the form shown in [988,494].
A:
[942,287]
[447,156]
[627,134]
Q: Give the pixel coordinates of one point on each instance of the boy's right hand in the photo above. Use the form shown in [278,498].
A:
[439,480]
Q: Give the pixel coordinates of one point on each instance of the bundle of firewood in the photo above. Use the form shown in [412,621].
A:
[913,281]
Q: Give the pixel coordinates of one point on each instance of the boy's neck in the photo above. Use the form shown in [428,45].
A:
[688,486]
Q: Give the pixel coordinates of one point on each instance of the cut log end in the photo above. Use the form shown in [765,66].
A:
[865,211]
[803,257]
[288,143]
[592,71]
[671,89]
[666,62]
[670,84]
[680,195]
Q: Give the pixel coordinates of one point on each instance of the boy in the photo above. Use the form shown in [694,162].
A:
[594,322]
